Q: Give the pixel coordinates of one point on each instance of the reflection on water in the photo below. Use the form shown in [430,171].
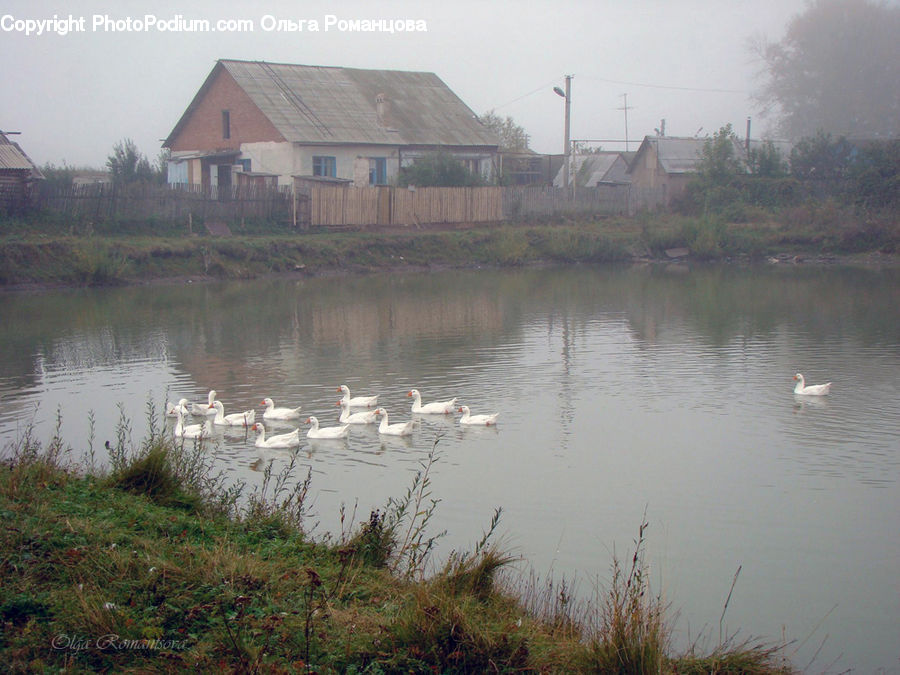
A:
[620,390]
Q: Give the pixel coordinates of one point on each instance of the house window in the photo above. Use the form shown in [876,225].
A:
[325,166]
[245,165]
[473,166]
[377,171]
[226,124]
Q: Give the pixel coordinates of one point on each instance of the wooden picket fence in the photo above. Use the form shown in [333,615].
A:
[339,206]
[326,205]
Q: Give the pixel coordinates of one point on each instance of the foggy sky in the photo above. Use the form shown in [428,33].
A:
[74,96]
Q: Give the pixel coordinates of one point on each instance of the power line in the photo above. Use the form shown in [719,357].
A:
[530,93]
[665,86]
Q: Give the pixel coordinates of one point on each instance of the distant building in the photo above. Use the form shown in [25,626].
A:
[529,168]
[261,120]
[18,177]
[591,170]
[663,166]
[88,177]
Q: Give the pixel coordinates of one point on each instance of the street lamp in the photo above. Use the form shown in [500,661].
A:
[567,94]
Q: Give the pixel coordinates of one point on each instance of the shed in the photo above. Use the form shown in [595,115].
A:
[18,177]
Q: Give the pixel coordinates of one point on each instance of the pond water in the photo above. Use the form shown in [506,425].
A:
[622,391]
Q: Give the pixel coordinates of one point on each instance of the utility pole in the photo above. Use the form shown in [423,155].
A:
[625,108]
[567,94]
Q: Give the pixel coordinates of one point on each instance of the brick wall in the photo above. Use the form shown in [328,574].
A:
[203,129]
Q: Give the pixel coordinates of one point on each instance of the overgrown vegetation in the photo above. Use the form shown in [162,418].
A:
[438,169]
[152,564]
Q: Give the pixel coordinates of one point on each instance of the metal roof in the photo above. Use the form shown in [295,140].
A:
[12,157]
[681,155]
[321,104]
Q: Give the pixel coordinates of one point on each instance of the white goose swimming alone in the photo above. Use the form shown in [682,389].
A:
[398,429]
[357,401]
[182,405]
[208,409]
[433,408]
[483,420]
[242,419]
[362,417]
[190,431]
[288,440]
[811,390]
[326,432]
[273,413]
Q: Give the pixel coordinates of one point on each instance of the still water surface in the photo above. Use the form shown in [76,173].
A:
[621,391]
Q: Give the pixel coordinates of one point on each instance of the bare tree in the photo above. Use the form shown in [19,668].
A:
[512,136]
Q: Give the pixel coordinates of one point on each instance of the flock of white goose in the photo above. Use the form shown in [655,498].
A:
[213,413]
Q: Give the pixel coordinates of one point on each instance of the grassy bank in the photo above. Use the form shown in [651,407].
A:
[153,565]
[50,254]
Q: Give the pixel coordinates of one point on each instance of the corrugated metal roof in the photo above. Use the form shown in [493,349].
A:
[592,169]
[13,157]
[320,104]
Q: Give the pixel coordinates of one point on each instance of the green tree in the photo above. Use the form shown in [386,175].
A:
[127,164]
[836,69]
[512,136]
[875,175]
[719,163]
[767,162]
[438,169]
[819,157]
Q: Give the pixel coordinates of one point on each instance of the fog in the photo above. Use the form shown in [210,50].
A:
[74,96]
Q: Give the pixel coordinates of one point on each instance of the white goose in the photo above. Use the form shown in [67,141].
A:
[434,408]
[363,417]
[326,432]
[208,409]
[811,390]
[273,413]
[280,441]
[357,401]
[194,431]
[182,405]
[399,429]
[483,420]
[244,419]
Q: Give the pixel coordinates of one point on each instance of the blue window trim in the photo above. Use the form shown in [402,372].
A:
[378,173]
[328,169]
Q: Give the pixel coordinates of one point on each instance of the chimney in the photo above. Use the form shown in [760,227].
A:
[381,108]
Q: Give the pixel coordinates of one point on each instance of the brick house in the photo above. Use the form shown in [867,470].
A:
[254,121]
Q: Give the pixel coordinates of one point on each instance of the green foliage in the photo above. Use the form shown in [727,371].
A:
[767,162]
[821,158]
[875,175]
[438,169]
[58,177]
[719,163]
[127,164]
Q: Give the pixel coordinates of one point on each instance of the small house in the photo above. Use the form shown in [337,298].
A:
[287,120]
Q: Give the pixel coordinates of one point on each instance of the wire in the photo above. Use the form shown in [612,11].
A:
[663,86]
[530,93]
